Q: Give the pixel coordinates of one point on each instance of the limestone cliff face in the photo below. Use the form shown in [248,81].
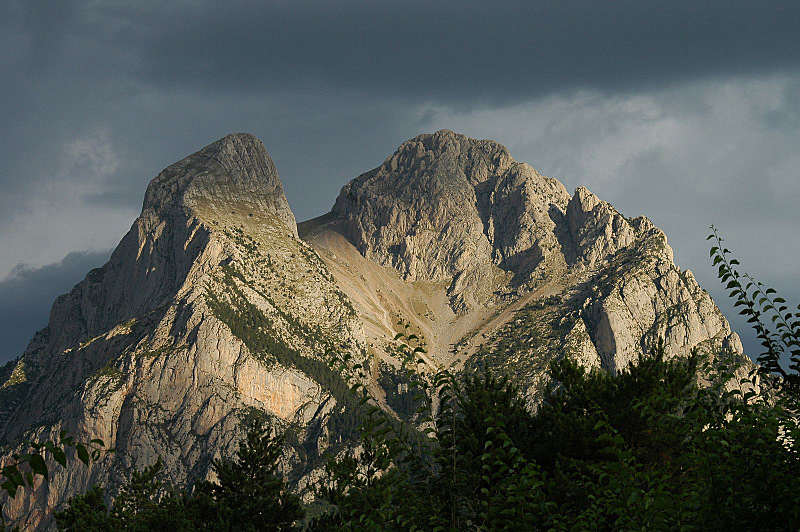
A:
[445,207]
[503,239]
[215,307]
[148,352]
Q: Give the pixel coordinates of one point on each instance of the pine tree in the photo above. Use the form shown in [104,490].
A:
[249,495]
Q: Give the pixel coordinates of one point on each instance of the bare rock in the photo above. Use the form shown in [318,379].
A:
[447,207]
[147,353]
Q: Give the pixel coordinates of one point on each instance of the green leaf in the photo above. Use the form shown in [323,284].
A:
[632,498]
[59,456]
[83,454]
[38,466]
[10,487]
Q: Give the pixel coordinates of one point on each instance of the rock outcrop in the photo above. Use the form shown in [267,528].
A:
[497,235]
[215,307]
[448,208]
[148,353]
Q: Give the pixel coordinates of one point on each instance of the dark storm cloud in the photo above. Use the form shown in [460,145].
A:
[464,52]
[172,71]
[85,63]
[461,52]
[28,293]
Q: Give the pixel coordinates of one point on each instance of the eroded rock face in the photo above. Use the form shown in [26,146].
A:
[212,309]
[461,211]
[598,231]
[235,171]
[147,353]
[447,207]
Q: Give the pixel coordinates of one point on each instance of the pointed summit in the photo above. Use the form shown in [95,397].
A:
[230,182]
[445,207]
[148,352]
[233,171]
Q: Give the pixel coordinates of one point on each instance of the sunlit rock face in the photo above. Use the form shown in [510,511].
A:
[147,352]
[216,306]
[445,207]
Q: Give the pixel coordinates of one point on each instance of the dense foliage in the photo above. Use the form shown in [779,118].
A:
[647,449]
[249,496]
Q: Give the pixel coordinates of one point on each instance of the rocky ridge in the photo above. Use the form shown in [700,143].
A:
[142,353]
[217,306]
[497,237]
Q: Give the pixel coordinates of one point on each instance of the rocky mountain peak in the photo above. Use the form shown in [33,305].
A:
[598,230]
[445,207]
[233,171]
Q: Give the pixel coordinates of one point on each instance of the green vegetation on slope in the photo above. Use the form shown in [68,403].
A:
[253,327]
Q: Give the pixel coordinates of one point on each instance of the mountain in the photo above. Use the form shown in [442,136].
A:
[216,305]
[496,264]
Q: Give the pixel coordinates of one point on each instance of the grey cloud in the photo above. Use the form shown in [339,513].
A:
[464,53]
[124,198]
[459,53]
[28,293]
[167,78]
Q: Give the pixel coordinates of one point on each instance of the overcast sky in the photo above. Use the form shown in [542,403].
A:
[687,112]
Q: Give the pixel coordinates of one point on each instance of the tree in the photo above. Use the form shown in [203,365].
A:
[249,495]
[647,449]
[88,512]
[140,506]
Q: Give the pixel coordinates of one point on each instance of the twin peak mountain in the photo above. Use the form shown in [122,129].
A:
[217,304]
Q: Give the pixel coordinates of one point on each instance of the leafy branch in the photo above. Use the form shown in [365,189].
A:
[24,468]
[781,339]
